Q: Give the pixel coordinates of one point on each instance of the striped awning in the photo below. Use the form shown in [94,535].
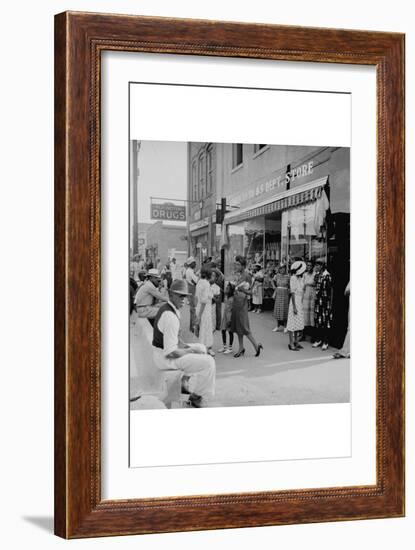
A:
[287,199]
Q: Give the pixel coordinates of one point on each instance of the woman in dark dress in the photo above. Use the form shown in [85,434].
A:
[239,318]
[322,306]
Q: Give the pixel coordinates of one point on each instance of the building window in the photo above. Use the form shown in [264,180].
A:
[202,176]
[259,146]
[237,154]
[194,182]
[209,167]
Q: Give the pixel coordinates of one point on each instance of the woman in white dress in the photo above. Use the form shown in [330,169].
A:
[204,295]
[295,322]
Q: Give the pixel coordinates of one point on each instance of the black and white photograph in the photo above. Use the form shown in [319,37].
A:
[239,274]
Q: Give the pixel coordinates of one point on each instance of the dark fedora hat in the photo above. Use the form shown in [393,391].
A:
[179,286]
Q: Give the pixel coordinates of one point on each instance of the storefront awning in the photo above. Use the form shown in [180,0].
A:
[287,199]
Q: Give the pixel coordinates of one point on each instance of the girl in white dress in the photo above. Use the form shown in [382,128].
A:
[204,295]
[295,321]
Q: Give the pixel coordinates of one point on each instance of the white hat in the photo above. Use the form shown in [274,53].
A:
[190,260]
[153,273]
[299,267]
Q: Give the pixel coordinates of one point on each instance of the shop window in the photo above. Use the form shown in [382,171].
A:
[237,154]
[194,182]
[304,231]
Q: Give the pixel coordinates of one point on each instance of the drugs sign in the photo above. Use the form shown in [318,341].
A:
[168,212]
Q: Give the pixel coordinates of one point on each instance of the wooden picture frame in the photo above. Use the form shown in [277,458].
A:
[79,40]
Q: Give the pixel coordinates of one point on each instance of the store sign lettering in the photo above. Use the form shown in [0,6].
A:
[278,183]
[168,212]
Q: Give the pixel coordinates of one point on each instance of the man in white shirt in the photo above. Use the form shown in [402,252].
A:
[148,294]
[191,280]
[191,359]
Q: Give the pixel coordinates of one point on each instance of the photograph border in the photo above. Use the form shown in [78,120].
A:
[79,40]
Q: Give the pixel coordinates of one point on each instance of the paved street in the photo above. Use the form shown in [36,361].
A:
[279,376]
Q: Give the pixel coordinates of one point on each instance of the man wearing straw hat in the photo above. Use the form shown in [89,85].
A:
[191,359]
[148,294]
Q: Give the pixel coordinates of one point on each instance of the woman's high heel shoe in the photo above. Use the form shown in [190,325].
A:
[240,353]
[258,350]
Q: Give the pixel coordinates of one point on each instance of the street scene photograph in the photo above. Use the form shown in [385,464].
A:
[239,275]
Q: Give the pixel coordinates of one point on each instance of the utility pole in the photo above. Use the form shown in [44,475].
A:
[222,250]
[134,173]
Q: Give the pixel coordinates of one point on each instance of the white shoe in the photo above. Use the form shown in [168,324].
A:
[324,347]
[316,344]
[276,329]
[228,351]
[222,350]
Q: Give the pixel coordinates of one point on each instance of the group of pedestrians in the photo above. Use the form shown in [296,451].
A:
[304,304]
[302,308]
[302,301]
[310,304]
[207,314]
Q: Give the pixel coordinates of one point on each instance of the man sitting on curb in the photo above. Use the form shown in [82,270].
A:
[191,359]
[147,296]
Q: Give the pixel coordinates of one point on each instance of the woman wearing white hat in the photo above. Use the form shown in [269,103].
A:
[295,322]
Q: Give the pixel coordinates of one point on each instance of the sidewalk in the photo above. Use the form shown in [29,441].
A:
[279,376]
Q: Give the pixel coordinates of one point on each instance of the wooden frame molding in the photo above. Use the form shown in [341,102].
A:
[79,40]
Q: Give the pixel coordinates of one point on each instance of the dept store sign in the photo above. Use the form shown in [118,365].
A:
[274,184]
[168,212]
